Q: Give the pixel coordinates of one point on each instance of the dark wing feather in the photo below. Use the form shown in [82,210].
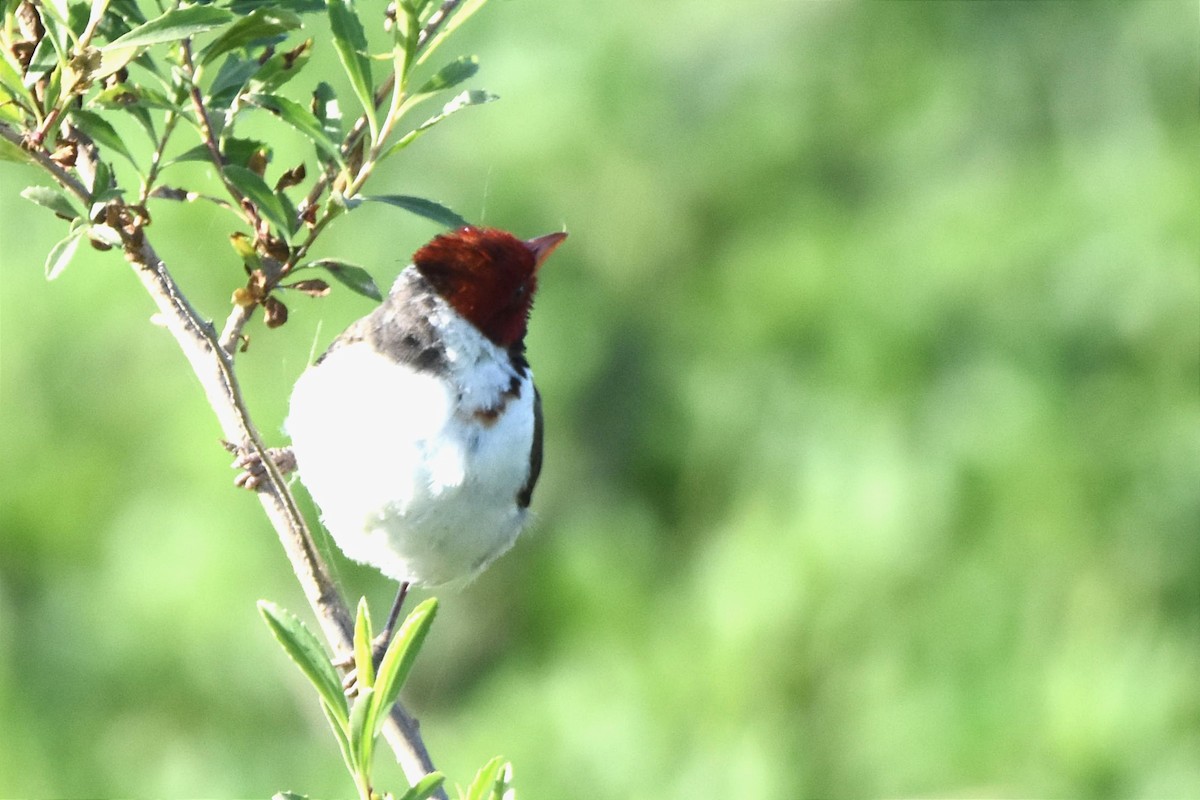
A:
[535,453]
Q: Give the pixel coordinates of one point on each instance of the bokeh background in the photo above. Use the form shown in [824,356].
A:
[872,380]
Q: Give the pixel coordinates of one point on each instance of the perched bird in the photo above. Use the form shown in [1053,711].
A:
[419,431]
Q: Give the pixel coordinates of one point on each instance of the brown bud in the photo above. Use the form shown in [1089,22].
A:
[313,287]
[290,178]
[275,313]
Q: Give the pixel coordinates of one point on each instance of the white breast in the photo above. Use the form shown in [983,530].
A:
[409,479]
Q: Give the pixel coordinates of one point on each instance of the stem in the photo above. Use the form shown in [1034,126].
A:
[212,365]
[156,158]
[210,140]
[39,154]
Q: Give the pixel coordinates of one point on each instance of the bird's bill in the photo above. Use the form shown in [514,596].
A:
[543,246]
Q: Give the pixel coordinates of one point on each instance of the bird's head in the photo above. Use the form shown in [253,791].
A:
[488,276]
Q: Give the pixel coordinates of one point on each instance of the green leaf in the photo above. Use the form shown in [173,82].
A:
[105,234]
[281,68]
[351,44]
[101,132]
[262,196]
[44,58]
[425,787]
[235,151]
[400,657]
[407,34]
[422,208]
[113,59]
[361,739]
[299,118]
[472,97]
[232,75]
[11,152]
[325,109]
[61,254]
[464,13]
[52,199]
[10,79]
[451,75]
[298,6]
[364,662]
[341,734]
[176,24]
[492,781]
[353,277]
[303,648]
[261,23]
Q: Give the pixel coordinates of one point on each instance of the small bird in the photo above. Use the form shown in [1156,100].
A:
[419,432]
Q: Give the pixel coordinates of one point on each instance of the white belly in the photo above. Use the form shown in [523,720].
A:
[407,478]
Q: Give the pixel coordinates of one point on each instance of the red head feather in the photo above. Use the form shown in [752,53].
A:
[489,276]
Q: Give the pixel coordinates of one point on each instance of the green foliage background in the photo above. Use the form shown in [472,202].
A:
[872,377]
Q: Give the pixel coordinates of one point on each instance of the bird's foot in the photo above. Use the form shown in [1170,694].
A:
[253,472]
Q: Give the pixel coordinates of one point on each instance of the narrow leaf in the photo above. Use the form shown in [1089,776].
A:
[451,75]
[105,235]
[491,782]
[298,6]
[341,734]
[61,254]
[351,44]
[235,151]
[425,787]
[12,152]
[422,208]
[52,199]
[361,718]
[400,657]
[176,24]
[113,59]
[256,191]
[472,97]
[364,662]
[261,23]
[10,79]
[353,277]
[303,648]
[325,109]
[281,68]
[299,118]
[101,132]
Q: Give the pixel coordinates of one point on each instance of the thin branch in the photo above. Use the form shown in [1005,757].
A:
[39,154]
[210,140]
[213,366]
[231,334]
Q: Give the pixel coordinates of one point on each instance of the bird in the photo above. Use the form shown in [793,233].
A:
[418,433]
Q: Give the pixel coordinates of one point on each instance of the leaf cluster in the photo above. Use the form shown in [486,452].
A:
[357,725]
[73,73]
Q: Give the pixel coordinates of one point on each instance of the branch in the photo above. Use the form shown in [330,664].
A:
[38,154]
[213,366]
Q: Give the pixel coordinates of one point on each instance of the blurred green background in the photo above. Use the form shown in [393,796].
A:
[872,380]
